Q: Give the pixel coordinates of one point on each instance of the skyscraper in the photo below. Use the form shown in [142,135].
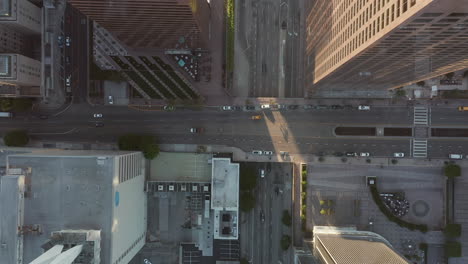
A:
[335,245]
[383,44]
[170,24]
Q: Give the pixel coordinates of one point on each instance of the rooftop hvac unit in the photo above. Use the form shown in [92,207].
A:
[183,188]
[194,188]
[171,187]
[160,187]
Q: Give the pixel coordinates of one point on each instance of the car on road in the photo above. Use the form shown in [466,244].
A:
[67,60]
[250,107]
[364,154]
[257,152]
[456,156]
[226,108]
[398,155]
[262,173]
[321,107]
[293,107]
[265,106]
[267,152]
[68,81]
[307,107]
[110,99]
[98,124]
[280,107]
[146,261]
[337,107]
[197,130]
[351,154]
[338,154]
[169,108]
[236,108]
[60,41]
[256,117]
[364,107]
[97,115]
[68,41]
[262,216]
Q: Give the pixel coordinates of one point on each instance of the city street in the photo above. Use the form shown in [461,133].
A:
[296,131]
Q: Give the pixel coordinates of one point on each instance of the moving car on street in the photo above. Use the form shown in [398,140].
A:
[256,117]
[351,154]
[226,108]
[364,154]
[364,107]
[398,155]
[257,152]
[97,115]
[197,130]
[169,108]
[265,106]
[68,41]
[267,152]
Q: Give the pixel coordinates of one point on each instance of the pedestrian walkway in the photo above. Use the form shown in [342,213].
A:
[419,148]
[421,115]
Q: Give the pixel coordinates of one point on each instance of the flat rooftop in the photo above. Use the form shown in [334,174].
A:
[225,185]
[181,167]
[66,193]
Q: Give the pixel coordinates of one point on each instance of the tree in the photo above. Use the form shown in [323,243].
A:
[421,83]
[6,104]
[400,92]
[287,220]
[247,201]
[244,261]
[145,143]
[22,104]
[452,230]
[453,249]
[285,242]
[449,75]
[321,159]
[248,177]
[394,161]
[452,170]
[16,138]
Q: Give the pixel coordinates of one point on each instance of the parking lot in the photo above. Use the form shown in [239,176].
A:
[338,195]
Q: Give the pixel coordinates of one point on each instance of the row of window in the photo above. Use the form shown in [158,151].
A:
[142,236]
[130,166]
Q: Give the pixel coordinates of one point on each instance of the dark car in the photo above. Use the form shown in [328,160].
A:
[337,107]
[67,60]
[309,107]
[250,107]
[99,124]
[262,216]
[320,107]
[351,154]
[338,154]
[43,117]
[293,107]
[237,108]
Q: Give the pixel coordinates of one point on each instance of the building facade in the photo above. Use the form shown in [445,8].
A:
[383,44]
[18,70]
[21,15]
[168,24]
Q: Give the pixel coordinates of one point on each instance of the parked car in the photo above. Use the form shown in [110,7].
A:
[398,155]
[110,99]
[226,108]
[265,106]
[169,108]
[337,107]
[267,152]
[307,107]
[262,173]
[68,41]
[280,107]
[236,108]
[97,115]
[99,124]
[67,60]
[364,107]
[364,154]
[197,130]
[256,117]
[351,154]
[68,81]
[257,152]
[250,107]
[338,154]
[262,216]
[293,107]
[60,41]
[322,107]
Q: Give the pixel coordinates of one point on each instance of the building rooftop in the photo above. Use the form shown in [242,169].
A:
[334,247]
[5,8]
[11,208]
[66,193]
[225,185]
[181,167]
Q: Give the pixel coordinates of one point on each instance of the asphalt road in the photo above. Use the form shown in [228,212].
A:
[296,131]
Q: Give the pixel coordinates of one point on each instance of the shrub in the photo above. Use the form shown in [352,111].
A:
[453,249]
[145,143]
[344,159]
[286,219]
[449,75]
[394,161]
[244,261]
[285,242]
[16,138]
[321,159]
[452,230]
[452,170]
[400,92]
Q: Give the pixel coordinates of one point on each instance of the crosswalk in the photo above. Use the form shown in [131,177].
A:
[421,115]
[419,148]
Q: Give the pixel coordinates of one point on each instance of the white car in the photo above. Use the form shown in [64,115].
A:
[111,100]
[262,173]
[364,107]
[257,152]
[399,155]
[68,41]
[364,154]
[97,115]
[267,152]
[68,81]
[265,106]
[226,108]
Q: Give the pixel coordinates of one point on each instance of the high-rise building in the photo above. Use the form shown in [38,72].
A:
[17,70]
[383,44]
[345,245]
[81,205]
[170,24]
[21,15]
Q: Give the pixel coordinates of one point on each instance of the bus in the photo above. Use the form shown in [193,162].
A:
[6,114]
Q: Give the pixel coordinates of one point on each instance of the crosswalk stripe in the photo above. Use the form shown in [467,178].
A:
[419,148]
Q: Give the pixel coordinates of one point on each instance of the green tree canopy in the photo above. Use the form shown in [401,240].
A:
[6,104]
[453,249]
[285,242]
[453,230]
[248,176]
[22,104]
[16,138]
[145,143]
[286,219]
[452,170]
